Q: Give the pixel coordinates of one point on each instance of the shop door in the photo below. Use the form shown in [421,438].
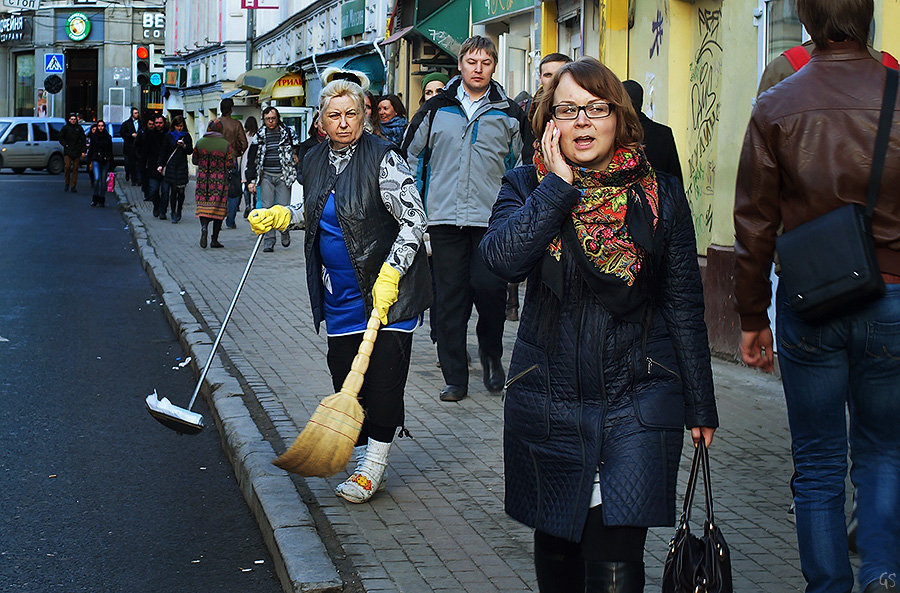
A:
[81,83]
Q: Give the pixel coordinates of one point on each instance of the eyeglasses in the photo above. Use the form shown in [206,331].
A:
[595,110]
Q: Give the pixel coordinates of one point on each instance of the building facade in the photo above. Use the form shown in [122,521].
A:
[89,46]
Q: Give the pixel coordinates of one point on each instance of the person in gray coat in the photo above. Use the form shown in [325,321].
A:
[462,141]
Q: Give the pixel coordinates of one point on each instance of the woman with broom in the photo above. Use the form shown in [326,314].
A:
[364,223]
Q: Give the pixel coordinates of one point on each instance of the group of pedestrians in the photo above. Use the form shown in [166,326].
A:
[95,148]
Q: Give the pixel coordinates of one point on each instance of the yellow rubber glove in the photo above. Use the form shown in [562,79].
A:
[263,220]
[385,290]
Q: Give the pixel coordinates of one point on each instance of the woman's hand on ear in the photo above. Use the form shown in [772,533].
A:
[553,157]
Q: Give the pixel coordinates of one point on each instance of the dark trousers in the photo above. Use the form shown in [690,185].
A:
[216,223]
[382,392]
[131,169]
[461,279]
[176,200]
[563,566]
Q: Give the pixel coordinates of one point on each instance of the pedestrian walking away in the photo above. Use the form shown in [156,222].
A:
[99,155]
[237,140]
[659,141]
[611,360]
[462,142]
[174,167]
[214,161]
[274,169]
[74,144]
[363,248]
[798,163]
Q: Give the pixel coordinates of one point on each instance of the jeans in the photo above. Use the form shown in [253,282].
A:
[71,169]
[272,190]
[99,173]
[233,204]
[462,279]
[852,362]
[159,194]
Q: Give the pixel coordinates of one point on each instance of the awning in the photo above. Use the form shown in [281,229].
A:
[447,27]
[289,86]
[369,64]
[397,35]
[257,78]
[232,93]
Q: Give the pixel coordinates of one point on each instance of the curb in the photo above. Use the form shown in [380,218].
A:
[288,529]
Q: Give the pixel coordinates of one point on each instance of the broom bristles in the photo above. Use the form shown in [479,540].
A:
[326,444]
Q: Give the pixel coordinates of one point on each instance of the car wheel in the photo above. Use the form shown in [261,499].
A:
[55,164]
[18,170]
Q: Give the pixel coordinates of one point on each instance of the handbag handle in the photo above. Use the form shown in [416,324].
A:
[885,120]
[700,463]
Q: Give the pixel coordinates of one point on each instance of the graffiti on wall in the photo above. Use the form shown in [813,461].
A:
[706,78]
[656,28]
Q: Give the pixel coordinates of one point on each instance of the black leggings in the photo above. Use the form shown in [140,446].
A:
[176,198]
[560,564]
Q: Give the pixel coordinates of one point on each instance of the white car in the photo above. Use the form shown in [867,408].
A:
[31,142]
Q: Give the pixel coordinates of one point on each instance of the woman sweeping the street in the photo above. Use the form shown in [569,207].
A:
[178,145]
[214,160]
[611,360]
[364,223]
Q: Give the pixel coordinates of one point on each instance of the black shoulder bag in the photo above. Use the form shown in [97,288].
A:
[698,564]
[828,264]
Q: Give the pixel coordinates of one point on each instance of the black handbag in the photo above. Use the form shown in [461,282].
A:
[698,564]
[828,264]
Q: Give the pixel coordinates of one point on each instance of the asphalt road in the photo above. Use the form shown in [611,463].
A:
[95,495]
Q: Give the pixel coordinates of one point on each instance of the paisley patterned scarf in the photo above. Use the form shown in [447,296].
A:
[599,217]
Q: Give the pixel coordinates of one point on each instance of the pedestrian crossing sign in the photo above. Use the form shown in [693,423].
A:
[53,63]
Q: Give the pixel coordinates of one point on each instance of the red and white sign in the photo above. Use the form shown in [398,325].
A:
[259,4]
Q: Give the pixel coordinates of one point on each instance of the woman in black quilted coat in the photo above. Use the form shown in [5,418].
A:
[173,164]
[611,361]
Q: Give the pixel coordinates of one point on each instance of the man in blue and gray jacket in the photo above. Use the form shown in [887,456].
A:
[460,144]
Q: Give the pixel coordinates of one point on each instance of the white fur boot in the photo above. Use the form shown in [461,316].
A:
[368,477]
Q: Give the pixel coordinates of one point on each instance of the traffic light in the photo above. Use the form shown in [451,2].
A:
[141,65]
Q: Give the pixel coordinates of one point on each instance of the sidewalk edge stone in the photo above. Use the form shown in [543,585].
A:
[301,560]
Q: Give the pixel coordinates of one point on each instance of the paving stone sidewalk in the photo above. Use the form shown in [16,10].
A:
[440,524]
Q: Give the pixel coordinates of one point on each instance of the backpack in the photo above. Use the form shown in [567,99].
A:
[798,57]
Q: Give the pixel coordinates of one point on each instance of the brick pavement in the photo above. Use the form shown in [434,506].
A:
[440,525]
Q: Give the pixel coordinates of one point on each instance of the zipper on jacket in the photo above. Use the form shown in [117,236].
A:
[651,362]
[519,375]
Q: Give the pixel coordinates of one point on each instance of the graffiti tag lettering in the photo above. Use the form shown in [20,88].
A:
[657,29]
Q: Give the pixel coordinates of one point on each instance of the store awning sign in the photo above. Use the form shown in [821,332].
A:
[447,27]
[488,10]
[23,4]
[54,63]
[13,28]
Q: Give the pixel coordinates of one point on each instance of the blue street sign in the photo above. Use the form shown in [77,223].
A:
[54,63]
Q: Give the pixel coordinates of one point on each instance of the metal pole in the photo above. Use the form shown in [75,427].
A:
[251,25]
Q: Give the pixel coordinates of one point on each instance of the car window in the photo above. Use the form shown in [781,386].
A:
[114,129]
[18,134]
[3,126]
[55,128]
[39,132]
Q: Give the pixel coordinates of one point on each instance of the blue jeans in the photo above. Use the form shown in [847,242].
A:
[159,194]
[849,363]
[99,171]
[233,204]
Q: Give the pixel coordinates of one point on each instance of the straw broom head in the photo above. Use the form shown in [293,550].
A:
[326,444]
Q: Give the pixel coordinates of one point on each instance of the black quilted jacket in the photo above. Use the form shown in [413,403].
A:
[607,394]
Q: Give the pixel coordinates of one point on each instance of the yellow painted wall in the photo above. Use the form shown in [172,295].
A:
[887,19]
[614,37]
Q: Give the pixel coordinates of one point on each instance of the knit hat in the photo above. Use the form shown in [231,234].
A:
[435,76]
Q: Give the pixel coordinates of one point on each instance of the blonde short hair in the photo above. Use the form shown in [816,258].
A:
[342,88]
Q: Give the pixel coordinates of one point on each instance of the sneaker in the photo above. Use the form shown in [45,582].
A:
[231,226]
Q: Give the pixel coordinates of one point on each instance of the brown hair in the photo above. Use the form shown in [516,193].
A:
[597,79]
[836,20]
[476,43]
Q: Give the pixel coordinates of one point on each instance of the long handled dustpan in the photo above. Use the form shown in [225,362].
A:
[183,420]
[325,445]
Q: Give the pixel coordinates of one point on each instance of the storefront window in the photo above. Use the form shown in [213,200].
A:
[24,84]
[783,27]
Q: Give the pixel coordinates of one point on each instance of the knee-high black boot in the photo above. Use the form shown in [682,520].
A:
[614,577]
[558,565]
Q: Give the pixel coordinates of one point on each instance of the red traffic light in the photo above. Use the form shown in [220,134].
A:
[142,52]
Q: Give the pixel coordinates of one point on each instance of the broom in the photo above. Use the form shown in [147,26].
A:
[326,444]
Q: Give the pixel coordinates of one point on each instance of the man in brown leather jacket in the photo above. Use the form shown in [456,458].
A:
[808,150]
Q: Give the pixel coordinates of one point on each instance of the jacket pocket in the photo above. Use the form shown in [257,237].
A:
[527,405]
[661,407]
